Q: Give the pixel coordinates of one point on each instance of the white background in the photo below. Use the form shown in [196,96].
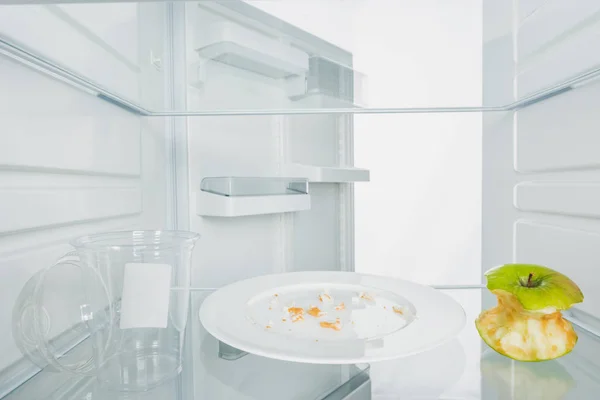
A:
[420,216]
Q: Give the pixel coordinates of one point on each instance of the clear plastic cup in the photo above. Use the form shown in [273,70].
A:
[115,308]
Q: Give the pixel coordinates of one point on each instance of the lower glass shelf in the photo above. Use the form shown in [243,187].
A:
[464,368]
[207,375]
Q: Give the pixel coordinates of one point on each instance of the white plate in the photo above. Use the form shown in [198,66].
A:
[382,318]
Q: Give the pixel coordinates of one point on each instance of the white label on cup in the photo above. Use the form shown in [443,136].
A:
[145,299]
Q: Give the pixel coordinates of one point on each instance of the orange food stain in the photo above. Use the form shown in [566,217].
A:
[336,326]
[283,319]
[398,310]
[366,296]
[315,312]
[324,296]
[297,313]
[340,307]
[268,327]
[295,310]
[297,317]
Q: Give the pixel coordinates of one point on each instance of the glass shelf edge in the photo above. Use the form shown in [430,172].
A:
[37,63]
[590,324]
[40,64]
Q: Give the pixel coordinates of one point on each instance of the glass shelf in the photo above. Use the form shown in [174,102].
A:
[464,368]
[289,57]
[205,375]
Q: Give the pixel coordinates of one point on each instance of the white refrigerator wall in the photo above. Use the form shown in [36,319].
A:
[541,171]
[72,164]
[258,146]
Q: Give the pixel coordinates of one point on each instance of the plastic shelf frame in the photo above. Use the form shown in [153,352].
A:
[244,196]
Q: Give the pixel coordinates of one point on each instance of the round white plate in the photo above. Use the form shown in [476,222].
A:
[380,319]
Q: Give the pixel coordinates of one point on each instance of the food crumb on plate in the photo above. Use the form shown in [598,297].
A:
[297,317]
[325,298]
[294,310]
[315,312]
[365,296]
[340,307]
[398,310]
[336,326]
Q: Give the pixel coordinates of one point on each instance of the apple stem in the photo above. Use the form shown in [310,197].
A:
[529,280]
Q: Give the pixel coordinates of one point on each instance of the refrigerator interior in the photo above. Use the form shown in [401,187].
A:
[425,141]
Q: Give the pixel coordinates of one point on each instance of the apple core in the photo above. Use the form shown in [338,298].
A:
[527,324]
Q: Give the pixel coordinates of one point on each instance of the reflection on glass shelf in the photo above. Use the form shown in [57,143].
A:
[243,196]
[292,57]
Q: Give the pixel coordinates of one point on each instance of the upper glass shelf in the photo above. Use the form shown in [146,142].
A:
[235,57]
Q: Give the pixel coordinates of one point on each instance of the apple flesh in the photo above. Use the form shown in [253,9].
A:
[527,324]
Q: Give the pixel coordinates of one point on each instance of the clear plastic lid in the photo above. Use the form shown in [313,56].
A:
[53,313]
[126,292]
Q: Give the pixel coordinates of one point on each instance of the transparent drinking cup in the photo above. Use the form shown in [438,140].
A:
[115,308]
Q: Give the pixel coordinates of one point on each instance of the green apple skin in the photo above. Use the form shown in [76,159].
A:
[527,325]
[550,290]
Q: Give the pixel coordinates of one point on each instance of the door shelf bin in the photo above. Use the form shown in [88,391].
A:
[241,196]
[316,173]
[251,50]
[328,84]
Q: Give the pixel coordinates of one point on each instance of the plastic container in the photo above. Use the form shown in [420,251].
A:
[121,298]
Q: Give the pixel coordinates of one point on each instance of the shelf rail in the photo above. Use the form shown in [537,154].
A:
[35,61]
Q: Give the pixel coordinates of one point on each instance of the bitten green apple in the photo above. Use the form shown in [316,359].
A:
[527,324]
